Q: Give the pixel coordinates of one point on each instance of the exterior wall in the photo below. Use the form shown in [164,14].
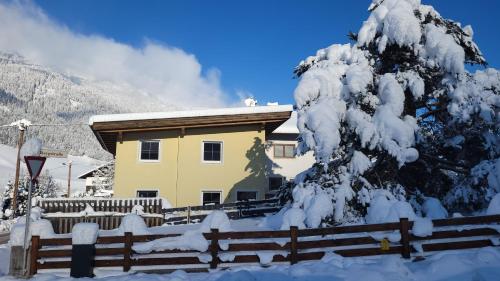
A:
[180,174]
[287,167]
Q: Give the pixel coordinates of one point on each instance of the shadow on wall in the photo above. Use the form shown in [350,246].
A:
[259,167]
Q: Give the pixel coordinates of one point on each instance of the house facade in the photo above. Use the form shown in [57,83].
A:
[191,157]
[281,145]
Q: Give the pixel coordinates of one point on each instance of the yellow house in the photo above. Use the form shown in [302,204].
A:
[191,157]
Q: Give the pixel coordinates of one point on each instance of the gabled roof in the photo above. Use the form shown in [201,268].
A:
[90,173]
[289,127]
[107,128]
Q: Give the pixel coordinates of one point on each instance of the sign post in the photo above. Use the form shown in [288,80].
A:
[35,165]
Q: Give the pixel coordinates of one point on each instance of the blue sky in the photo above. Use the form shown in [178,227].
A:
[254,44]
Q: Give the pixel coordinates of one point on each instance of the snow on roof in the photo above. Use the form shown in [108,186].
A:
[90,172]
[289,127]
[189,113]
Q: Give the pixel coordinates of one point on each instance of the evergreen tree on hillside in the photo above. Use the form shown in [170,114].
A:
[397,110]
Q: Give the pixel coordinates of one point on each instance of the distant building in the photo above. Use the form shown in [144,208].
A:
[280,150]
[96,185]
[202,157]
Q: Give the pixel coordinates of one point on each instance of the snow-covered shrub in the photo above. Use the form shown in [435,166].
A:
[293,217]
[433,209]
[40,227]
[133,223]
[216,220]
[84,233]
[397,110]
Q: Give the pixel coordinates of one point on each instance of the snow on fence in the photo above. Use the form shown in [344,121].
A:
[76,205]
[236,210]
[270,247]
[108,213]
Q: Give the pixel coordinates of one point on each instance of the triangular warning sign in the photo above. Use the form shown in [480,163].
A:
[35,165]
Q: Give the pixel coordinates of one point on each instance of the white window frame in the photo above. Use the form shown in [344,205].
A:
[211,191]
[203,152]
[139,149]
[256,194]
[147,189]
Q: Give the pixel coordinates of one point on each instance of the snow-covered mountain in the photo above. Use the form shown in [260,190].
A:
[43,96]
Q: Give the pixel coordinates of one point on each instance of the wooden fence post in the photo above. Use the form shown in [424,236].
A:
[404,226]
[189,215]
[127,261]
[214,248]
[35,245]
[294,231]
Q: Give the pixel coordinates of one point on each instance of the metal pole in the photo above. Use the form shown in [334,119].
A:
[27,236]
[18,164]
[69,179]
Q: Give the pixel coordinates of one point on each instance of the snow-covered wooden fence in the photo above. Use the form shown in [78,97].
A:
[236,210]
[272,247]
[119,205]
[108,213]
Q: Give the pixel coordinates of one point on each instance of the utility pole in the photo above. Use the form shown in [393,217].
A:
[18,164]
[69,176]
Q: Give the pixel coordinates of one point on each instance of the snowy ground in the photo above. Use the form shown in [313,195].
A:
[54,166]
[478,265]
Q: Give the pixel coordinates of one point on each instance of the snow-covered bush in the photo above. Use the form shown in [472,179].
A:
[396,110]
[46,187]
[216,220]
[84,233]
[133,223]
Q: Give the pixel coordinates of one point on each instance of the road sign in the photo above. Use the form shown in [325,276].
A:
[53,153]
[35,165]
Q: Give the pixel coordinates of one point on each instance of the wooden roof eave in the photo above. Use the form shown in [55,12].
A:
[270,121]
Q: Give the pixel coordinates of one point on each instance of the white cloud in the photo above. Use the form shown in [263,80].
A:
[164,72]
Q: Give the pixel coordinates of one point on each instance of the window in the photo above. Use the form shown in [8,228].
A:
[211,197]
[284,150]
[275,183]
[150,150]
[147,193]
[246,195]
[212,151]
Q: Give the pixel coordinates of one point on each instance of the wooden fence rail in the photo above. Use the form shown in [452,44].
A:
[291,246]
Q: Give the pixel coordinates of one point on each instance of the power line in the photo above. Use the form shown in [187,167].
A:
[45,125]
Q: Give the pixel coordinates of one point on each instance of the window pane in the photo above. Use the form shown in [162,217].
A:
[153,155]
[207,156]
[289,151]
[216,147]
[216,156]
[150,150]
[212,151]
[278,150]
[147,193]
[211,198]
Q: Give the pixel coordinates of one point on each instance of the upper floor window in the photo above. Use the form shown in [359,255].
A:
[150,150]
[212,151]
[284,150]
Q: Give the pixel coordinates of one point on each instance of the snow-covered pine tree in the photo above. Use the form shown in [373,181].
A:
[45,188]
[397,110]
